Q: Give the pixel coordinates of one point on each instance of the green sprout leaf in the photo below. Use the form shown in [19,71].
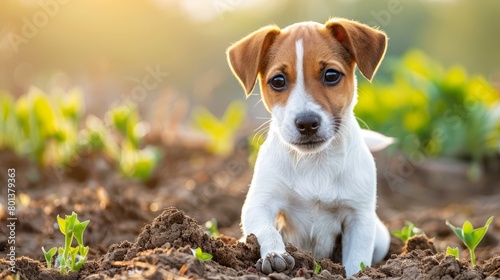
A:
[62,224]
[49,255]
[362,266]
[202,256]
[408,231]
[68,223]
[317,268]
[470,236]
[79,229]
[453,252]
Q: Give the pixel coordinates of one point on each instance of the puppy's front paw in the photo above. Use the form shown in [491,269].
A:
[275,262]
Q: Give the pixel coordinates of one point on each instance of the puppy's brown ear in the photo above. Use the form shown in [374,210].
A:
[246,57]
[367,45]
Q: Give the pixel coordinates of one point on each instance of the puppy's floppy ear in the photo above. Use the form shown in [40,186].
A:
[246,57]
[366,44]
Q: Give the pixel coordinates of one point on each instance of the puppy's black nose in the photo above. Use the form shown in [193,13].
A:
[307,124]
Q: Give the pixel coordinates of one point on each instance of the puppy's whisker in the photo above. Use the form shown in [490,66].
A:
[259,101]
[264,125]
[261,130]
[259,136]
[363,122]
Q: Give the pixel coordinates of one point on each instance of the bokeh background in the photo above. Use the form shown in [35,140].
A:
[159,68]
[105,47]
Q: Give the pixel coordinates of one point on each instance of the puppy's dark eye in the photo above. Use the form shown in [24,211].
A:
[278,82]
[332,77]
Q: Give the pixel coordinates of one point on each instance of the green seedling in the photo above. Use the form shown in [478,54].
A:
[125,118]
[220,132]
[69,258]
[470,236]
[211,228]
[202,256]
[407,231]
[71,104]
[49,255]
[362,266]
[138,164]
[317,268]
[453,252]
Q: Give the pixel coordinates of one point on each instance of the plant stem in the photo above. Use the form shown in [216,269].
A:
[67,243]
[472,258]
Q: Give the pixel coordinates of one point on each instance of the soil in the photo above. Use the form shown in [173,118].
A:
[145,230]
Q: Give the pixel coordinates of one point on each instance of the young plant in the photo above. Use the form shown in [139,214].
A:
[220,132]
[138,163]
[125,118]
[317,268]
[362,266]
[69,258]
[407,231]
[49,255]
[202,256]
[453,252]
[211,228]
[470,236]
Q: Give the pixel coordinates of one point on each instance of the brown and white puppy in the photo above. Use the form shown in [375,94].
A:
[314,179]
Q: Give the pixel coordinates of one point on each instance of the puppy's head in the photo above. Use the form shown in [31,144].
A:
[306,74]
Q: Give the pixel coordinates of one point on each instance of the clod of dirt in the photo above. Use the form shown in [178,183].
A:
[419,242]
[491,267]
[452,269]
[29,269]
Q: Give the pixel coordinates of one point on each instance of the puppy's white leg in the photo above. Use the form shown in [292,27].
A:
[358,241]
[258,216]
[382,242]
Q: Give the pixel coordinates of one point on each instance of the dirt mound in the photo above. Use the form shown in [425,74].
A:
[419,242]
[163,251]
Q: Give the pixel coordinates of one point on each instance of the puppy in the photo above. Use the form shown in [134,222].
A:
[314,182]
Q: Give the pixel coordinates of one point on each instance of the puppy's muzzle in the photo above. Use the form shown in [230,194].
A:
[308,124]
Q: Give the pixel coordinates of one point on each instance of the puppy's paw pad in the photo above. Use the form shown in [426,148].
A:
[275,262]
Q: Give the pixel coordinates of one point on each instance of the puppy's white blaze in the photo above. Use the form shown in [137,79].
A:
[299,52]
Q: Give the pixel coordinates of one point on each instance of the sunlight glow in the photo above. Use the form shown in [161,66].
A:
[208,10]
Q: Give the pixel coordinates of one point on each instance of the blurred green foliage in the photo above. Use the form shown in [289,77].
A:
[221,132]
[433,111]
[211,228]
[46,129]
[132,161]
[42,129]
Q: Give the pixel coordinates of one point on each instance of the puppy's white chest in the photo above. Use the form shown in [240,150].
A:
[316,184]
[312,225]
